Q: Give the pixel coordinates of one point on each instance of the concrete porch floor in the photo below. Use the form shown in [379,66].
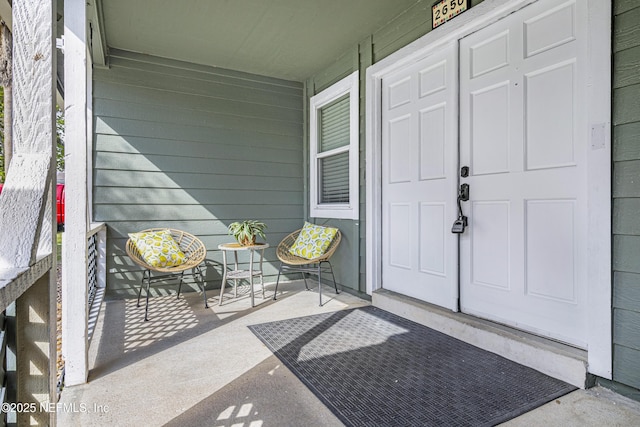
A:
[191,366]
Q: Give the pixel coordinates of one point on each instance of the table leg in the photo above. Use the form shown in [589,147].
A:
[262,272]
[235,281]
[224,275]
[251,276]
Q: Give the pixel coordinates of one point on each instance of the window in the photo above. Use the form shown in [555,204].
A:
[333,148]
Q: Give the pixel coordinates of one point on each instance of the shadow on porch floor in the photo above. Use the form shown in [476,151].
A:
[194,366]
[191,366]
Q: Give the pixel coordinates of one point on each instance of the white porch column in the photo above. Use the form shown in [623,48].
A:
[27,218]
[74,255]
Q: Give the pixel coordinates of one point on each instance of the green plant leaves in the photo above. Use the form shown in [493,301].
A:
[246,230]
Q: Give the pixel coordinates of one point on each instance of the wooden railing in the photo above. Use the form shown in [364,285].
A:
[25,324]
[96,273]
[5,368]
[96,280]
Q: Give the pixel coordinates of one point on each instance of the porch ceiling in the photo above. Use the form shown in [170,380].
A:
[288,39]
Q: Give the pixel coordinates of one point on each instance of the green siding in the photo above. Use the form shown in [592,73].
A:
[621,6]
[626,192]
[625,362]
[627,67]
[194,148]
[626,104]
[627,328]
[626,291]
[625,142]
[626,31]
[625,178]
[405,28]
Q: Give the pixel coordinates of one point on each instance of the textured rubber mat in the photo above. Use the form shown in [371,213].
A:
[373,368]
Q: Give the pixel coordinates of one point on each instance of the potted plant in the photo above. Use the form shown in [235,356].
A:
[245,232]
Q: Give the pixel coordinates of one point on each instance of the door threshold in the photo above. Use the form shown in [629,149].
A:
[550,357]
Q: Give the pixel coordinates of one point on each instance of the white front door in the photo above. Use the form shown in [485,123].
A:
[523,136]
[522,121]
[419,180]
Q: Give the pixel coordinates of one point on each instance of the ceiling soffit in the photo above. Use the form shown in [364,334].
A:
[288,39]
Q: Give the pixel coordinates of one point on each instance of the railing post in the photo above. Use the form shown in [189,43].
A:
[32,331]
[102,258]
[75,312]
[97,277]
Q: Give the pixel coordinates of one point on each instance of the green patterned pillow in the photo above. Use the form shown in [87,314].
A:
[313,241]
[158,248]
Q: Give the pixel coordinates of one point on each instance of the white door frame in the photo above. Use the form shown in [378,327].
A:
[599,336]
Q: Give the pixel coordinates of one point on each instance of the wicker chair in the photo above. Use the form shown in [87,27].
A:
[190,245]
[290,262]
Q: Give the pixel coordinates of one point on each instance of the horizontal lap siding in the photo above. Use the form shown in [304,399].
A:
[195,148]
[626,193]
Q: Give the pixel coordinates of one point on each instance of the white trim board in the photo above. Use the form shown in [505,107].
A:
[599,156]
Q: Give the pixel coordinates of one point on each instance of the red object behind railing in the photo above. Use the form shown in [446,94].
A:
[59,203]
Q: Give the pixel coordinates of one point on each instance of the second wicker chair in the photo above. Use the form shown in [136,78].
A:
[318,265]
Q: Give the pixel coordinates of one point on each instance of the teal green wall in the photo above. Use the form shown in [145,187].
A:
[194,148]
[407,27]
[626,193]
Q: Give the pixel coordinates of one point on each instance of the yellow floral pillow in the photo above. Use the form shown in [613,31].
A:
[158,248]
[313,241]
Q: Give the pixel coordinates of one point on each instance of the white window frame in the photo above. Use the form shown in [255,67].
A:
[348,85]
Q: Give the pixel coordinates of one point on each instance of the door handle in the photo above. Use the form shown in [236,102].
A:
[461,223]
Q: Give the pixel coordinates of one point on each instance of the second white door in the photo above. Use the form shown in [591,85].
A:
[420,152]
[523,136]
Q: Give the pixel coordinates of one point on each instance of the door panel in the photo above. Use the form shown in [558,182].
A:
[549,141]
[400,249]
[490,130]
[523,134]
[550,249]
[419,179]
[491,244]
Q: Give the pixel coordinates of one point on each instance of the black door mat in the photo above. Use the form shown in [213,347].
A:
[373,368]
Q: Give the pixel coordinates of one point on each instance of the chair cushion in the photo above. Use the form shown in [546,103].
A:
[158,248]
[312,241]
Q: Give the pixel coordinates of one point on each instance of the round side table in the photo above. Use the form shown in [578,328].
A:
[236,273]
